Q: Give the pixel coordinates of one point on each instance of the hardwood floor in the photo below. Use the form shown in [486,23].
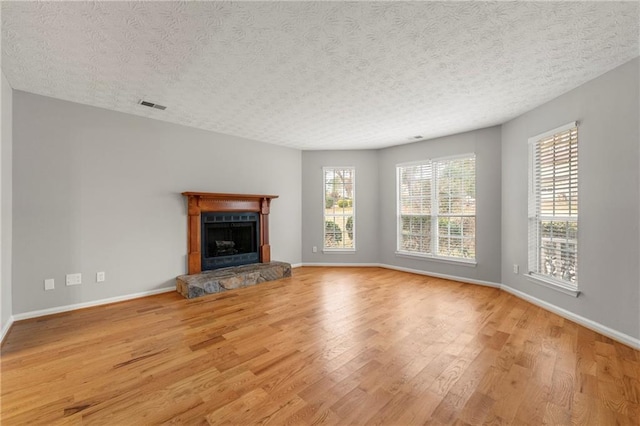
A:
[329,345]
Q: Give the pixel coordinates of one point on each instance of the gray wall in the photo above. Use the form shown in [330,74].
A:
[96,190]
[5,202]
[376,203]
[485,143]
[607,111]
[367,217]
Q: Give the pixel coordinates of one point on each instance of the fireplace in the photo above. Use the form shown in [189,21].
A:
[227,230]
[229,239]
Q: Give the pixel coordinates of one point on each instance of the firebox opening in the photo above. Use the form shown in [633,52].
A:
[229,239]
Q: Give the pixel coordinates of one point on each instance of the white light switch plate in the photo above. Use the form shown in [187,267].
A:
[74,279]
[49,284]
[100,277]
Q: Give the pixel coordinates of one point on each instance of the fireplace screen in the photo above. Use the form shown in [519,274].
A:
[229,239]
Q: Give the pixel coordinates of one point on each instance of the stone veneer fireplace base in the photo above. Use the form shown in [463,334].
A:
[200,283]
[219,280]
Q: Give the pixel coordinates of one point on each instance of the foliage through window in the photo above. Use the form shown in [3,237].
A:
[553,206]
[339,208]
[437,208]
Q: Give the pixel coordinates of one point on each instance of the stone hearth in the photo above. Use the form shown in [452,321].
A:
[219,280]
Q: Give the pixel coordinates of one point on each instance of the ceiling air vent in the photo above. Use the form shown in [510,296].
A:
[152,105]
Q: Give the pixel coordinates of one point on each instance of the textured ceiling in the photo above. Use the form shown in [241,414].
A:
[316,75]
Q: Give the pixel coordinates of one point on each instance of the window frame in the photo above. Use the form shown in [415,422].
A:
[353,213]
[435,207]
[535,216]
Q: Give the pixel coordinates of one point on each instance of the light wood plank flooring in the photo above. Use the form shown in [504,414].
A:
[329,345]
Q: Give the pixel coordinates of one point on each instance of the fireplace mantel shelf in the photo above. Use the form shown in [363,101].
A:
[205,202]
[227,196]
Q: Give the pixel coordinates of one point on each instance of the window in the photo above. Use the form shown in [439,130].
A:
[437,208]
[339,208]
[553,207]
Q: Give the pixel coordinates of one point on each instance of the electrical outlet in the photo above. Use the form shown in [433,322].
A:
[74,279]
[49,284]
[314,249]
[100,277]
[516,268]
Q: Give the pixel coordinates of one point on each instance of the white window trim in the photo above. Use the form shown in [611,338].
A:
[445,158]
[339,251]
[552,284]
[431,257]
[532,276]
[458,261]
[345,250]
[564,128]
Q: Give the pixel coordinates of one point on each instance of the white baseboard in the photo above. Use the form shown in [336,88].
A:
[412,271]
[444,276]
[296,265]
[585,322]
[592,325]
[346,265]
[5,328]
[66,308]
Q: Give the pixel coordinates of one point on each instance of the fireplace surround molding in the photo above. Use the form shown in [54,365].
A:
[210,202]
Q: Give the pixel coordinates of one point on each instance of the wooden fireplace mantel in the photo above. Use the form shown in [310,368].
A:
[205,202]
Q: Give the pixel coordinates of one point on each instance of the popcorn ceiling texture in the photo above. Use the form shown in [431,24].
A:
[316,75]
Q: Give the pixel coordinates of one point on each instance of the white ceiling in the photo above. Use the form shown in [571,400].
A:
[316,75]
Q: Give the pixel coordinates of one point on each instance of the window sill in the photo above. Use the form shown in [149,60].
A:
[461,262]
[339,251]
[537,279]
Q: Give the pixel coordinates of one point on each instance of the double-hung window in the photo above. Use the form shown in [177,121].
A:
[553,207]
[437,208]
[339,209]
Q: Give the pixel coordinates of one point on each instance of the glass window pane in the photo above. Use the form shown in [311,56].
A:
[553,195]
[450,183]
[339,208]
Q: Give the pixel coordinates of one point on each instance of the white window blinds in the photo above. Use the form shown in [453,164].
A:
[339,209]
[553,206]
[456,188]
[437,208]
